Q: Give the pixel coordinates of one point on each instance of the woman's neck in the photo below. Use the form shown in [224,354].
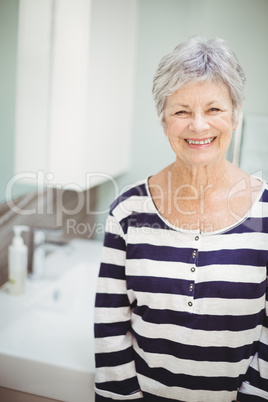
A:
[200,179]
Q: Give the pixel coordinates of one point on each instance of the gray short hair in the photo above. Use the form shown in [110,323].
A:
[198,60]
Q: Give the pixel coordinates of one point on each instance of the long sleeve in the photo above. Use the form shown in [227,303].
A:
[115,368]
[255,385]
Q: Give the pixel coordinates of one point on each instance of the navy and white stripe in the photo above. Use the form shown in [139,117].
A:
[181,315]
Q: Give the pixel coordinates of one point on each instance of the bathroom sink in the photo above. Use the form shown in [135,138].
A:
[69,295]
[47,349]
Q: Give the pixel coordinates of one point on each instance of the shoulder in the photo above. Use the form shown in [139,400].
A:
[134,194]
[244,184]
[264,195]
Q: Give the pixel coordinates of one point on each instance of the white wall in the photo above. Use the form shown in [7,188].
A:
[162,25]
[8,57]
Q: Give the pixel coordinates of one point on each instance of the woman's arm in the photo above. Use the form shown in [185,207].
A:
[115,369]
[255,385]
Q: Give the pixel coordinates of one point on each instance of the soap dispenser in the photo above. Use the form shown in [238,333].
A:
[17,261]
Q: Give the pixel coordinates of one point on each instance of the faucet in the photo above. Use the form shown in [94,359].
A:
[38,247]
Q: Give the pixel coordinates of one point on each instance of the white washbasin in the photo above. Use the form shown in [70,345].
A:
[46,347]
[70,294]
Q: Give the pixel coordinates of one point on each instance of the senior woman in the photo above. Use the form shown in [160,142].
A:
[181,308]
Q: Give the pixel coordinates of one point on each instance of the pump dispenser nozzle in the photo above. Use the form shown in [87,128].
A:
[18,229]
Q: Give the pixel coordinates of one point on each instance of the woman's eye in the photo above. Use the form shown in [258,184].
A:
[181,112]
[214,109]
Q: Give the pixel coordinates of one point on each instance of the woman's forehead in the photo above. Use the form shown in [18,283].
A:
[205,92]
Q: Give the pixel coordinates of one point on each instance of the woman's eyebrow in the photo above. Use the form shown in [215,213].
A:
[211,103]
[179,104]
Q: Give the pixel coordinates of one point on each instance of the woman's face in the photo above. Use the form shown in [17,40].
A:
[198,122]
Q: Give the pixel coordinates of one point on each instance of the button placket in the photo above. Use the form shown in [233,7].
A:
[193,272]
[191,288]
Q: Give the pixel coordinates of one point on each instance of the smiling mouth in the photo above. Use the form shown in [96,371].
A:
[200,142]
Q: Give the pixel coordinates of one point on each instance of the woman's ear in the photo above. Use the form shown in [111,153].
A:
[238,116]
[162,121]
[164,125]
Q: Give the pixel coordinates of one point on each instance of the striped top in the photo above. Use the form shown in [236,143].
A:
[181,315]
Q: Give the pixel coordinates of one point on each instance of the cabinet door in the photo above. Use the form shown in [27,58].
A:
[75,90]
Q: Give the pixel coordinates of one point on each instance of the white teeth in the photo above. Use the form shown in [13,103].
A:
[207,141]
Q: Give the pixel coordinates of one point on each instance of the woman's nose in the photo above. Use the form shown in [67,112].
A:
[198,124]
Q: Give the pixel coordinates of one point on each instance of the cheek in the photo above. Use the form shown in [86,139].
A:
[176,145]
[174,129]
[224,126]
[226,137]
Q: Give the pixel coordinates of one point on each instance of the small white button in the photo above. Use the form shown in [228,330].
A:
[190,304]
[196,238]
[193,269]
